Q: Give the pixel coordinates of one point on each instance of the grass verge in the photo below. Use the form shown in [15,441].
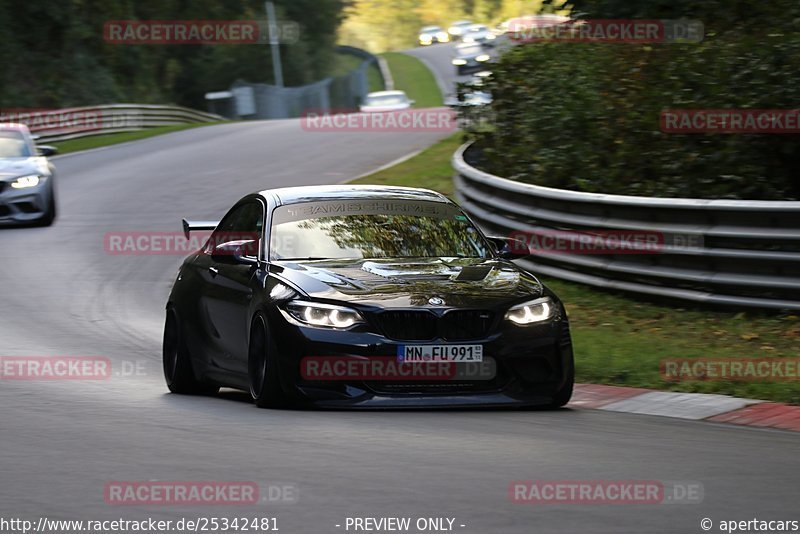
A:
[412,76]
[621,340]
[97,141]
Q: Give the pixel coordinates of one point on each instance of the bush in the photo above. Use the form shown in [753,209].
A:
[585,116]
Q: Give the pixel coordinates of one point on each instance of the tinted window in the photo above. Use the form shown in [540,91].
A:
[373,229]
[243,223]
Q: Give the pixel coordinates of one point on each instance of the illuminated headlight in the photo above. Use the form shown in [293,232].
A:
[443,37]
[459,62]
[22,182]
[424,38]
[323,315]
[482,57]
[531,312]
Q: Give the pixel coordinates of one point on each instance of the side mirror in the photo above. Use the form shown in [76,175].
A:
[243,252]
[47,150]
[509,248]
[412,102]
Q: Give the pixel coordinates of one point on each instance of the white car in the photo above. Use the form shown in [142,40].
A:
[479,33]
[433,34]
[27,191]
[385,101]
[458,28]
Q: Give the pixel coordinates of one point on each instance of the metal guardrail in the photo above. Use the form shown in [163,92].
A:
[72,123]
[748,252]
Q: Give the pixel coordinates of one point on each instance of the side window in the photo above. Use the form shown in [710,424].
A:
[243,223]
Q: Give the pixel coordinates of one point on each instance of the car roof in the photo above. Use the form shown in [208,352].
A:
[13,126]
[431,28]
[314,193]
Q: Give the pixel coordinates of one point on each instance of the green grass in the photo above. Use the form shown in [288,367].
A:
[620,339]
[412,76]
[430,169]
[97,141]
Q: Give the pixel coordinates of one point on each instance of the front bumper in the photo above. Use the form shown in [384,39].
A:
[531,364]
[20,206]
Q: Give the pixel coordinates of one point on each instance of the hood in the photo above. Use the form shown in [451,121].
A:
[460,282]
[12,167]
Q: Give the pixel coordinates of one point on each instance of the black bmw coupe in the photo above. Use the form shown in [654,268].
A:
[363,296]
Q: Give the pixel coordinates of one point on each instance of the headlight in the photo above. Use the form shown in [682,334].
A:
[468,39]
[491,36]
[459,62]
[323,315]
[482,57]
[26,181]
[443,37]
[531,312]
[424,37]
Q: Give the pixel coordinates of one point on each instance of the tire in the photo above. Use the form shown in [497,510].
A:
[50,214]
[178,371]
[262,366]
[563,395]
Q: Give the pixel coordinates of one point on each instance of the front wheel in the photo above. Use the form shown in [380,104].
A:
[265,386]
[563,395]
[177,362]
[50,213]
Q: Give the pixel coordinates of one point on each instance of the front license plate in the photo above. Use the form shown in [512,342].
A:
[440,353]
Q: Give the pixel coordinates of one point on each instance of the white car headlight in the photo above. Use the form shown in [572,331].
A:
[532,312]
[468,39]
[443,36]
[482,57]
[491,36]
[323,315]
[459,62]
[32,180]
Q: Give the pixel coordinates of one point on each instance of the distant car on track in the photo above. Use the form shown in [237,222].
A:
[27,189]
[363,296]
[381,101]
[457,29]
[470,57]
[478,33]
[433,34]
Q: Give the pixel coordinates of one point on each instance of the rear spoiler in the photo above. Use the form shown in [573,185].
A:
[194,226]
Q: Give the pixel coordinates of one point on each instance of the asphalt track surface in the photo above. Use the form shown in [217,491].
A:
[62,442]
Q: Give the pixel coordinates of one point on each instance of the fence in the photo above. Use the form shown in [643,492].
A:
[262,101]
[749,251]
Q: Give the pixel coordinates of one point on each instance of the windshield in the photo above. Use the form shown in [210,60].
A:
[431,29]
[385,100]
[373,228]
[13,145]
